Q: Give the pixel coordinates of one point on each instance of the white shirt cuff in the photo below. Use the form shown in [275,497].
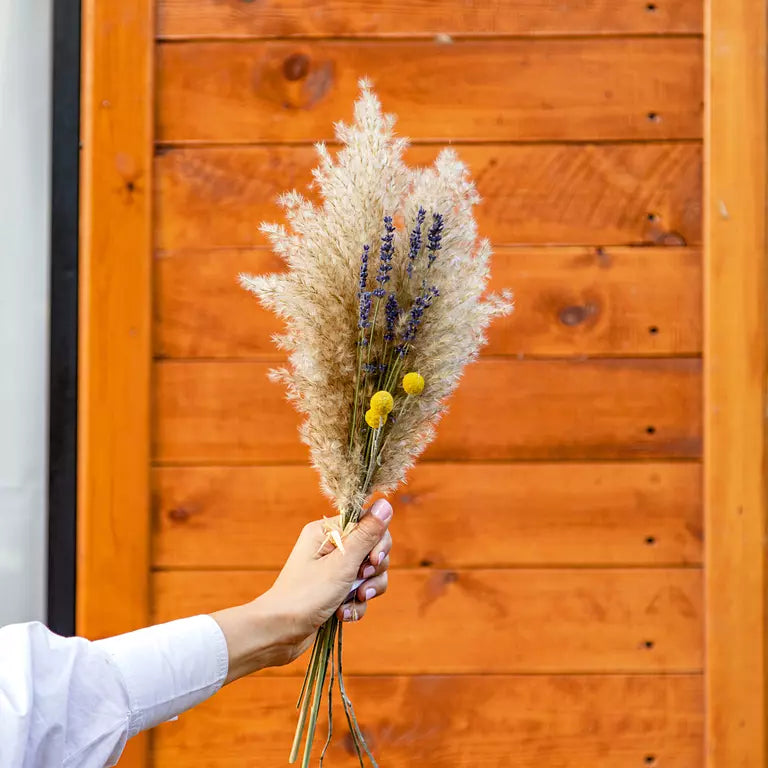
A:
[168,668]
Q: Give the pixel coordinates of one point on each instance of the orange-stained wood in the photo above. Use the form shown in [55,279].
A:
[601,721]
[115,267]
[448,515]
[735,385]
[505,620]
[223,412]
[569,301]
[115,318]
[424,18]
[227,92]
[607,194]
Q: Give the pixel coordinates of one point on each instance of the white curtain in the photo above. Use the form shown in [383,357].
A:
[25,99]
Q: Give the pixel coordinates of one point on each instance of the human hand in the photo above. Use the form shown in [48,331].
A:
[280,625]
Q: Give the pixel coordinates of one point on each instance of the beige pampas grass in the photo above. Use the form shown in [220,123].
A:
[386,276]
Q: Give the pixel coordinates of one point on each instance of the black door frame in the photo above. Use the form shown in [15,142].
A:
[62,429]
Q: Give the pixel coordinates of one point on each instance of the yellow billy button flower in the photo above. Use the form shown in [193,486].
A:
[413,383]
[375,420]
[382,402]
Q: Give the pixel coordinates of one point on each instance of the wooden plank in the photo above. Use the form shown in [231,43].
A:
[735,385]
[532,514]
[566,721]
[522,90]
[519,620]
[114,323]
[223,412]
[569,301]
[608,194]
[422,18]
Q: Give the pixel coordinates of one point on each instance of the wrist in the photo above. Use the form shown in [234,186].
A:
[257,636]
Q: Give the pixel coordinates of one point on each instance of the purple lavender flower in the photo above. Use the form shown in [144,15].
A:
[392,312]
[420,303]
[370,367]
[364,269]
[385,256]
[365,310]
[434,237]
[415,242]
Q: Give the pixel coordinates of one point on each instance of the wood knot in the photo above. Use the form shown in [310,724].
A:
[573,315]
[296,66]
[178,514]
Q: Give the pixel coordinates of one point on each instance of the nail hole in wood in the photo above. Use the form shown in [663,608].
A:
[654,117]
[648,644]
[651,430]
[651,7]
[654,329]
[650,760]
[650,540]
[130,186]
[425,563]
[652,217]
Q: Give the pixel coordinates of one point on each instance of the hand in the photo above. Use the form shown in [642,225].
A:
[280,625]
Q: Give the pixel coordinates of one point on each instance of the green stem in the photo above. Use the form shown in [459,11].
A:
[311,682]
[330,694]
[326,650]
[353,423]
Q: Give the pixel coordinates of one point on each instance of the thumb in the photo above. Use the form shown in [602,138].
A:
[366,534]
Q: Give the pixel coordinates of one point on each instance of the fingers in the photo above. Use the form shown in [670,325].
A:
[367,570]
[368,590]
[352,611]
[372,588]
[375,561]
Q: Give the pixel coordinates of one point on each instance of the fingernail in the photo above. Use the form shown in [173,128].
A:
[347,614]
[383,510]
[369,593]
[382,555]
[368,571]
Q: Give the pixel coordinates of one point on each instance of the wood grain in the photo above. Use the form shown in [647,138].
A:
[522,90]
[114,334]
[223,412]
[422,18]
[602,721]
[520,620]
[448,515]
[569,301]
[607,194]
[735,384]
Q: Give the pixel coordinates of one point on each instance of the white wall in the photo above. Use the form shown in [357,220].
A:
[25,98]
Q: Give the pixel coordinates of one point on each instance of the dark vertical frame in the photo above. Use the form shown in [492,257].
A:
[62,441]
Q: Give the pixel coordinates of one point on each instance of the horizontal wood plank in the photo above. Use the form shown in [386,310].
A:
[251,92]
[223,412]
[448,515]
[471,621]
[569,301]
[423,18]
[565,721]
[607,194]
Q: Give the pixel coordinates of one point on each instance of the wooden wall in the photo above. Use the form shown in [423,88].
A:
[546,596]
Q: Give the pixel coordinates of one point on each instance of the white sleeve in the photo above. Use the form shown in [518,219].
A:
[74,703]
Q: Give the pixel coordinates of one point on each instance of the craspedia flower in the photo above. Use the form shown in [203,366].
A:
[382,402]
[375,420]
[413,383]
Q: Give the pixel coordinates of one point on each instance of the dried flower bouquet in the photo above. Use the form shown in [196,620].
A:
[383,303]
